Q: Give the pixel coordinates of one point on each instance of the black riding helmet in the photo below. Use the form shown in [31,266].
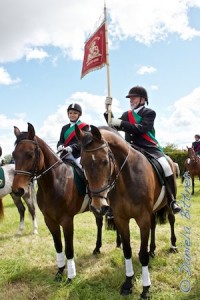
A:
[75,106]
[138,91]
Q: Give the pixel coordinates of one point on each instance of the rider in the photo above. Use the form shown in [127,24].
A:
[196,144]
[68,143]
[138,125]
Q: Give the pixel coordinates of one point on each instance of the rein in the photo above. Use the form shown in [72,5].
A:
[33,174]
[111,184]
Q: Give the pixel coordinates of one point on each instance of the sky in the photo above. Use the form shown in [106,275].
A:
[154,43]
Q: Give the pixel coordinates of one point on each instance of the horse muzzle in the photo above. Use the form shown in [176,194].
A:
[99,206]
[18,192]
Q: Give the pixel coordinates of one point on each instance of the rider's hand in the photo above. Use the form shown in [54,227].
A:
[108,102]
[60,148]
[68,149]
[115,122]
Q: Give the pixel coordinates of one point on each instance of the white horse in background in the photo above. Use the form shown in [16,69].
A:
[29,197]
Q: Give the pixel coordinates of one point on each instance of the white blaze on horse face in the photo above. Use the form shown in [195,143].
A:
[93,157]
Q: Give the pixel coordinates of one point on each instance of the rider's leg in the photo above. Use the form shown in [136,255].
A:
[170,185]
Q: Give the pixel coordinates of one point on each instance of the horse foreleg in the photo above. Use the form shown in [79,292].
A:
[144,255]
[193,185]
[21,209]
[99,223]
[171,218]
[68,229]
[152,247]
[124,231]
[54,228]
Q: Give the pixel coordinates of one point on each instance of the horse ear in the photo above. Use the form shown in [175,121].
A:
[31,131]
[95,132]
[16,131]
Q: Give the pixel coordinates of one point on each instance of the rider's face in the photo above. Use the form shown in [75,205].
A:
[73,115]
[135,101]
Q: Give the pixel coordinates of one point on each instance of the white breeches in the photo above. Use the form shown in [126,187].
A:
[165,165]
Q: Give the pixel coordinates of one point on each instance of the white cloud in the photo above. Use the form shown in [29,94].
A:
[180,126]
[5,78]
[65,24]
[35,54]
[154,87]
[146,70]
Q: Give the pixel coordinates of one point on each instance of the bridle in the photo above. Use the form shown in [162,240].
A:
[111,181]
[33,174]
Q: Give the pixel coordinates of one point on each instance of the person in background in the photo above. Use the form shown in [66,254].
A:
[196,144]
[68,144]
[138,125]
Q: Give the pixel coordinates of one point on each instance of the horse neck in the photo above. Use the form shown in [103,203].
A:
[49,155]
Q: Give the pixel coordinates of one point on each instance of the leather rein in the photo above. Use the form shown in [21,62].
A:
[111,183]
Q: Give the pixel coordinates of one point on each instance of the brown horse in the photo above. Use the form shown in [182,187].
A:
[117,172]
[192,166]
[58,196]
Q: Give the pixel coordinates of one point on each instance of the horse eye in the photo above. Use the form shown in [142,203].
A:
[29,155]
[105,162]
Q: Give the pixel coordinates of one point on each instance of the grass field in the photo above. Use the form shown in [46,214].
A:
[28,264]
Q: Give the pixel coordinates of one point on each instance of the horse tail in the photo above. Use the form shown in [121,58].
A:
[161,215]
[1,209]
[109,220]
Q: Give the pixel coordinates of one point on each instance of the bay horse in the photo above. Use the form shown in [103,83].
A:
[29,197]
[192,166]
[125,178]
[58,196]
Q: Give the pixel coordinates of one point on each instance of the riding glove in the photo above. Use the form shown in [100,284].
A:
[60,148]
[108,102]
[115,122]
[68,149]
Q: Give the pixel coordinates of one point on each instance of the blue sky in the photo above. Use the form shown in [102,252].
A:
[151,43]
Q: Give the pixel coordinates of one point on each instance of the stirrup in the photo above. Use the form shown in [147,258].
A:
[174,207]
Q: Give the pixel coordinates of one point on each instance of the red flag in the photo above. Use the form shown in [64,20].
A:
[95,51]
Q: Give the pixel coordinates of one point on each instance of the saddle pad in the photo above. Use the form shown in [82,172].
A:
[158,168]
[2,178]
[78,177]
[80,182]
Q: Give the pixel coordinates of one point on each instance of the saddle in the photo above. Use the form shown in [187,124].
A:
[79,176]
[2,178]
[155,164]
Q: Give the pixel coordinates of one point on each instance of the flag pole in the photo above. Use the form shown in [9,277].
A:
[107,63]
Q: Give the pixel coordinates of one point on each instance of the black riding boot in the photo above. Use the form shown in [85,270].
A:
[170,189]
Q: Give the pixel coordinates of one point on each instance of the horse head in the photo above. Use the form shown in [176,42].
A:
[99,167]
[28,157]
[192,155]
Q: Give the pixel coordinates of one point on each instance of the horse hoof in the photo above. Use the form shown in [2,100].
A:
[58,277]
[126,292]
[173,250]
[96,252]
[145,293]
[152,254]
[68,281]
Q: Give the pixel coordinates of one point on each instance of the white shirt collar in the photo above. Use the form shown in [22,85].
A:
[138,109]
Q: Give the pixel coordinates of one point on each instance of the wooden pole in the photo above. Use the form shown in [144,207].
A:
[107,63]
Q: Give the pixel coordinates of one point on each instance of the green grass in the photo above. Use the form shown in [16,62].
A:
[28,264]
